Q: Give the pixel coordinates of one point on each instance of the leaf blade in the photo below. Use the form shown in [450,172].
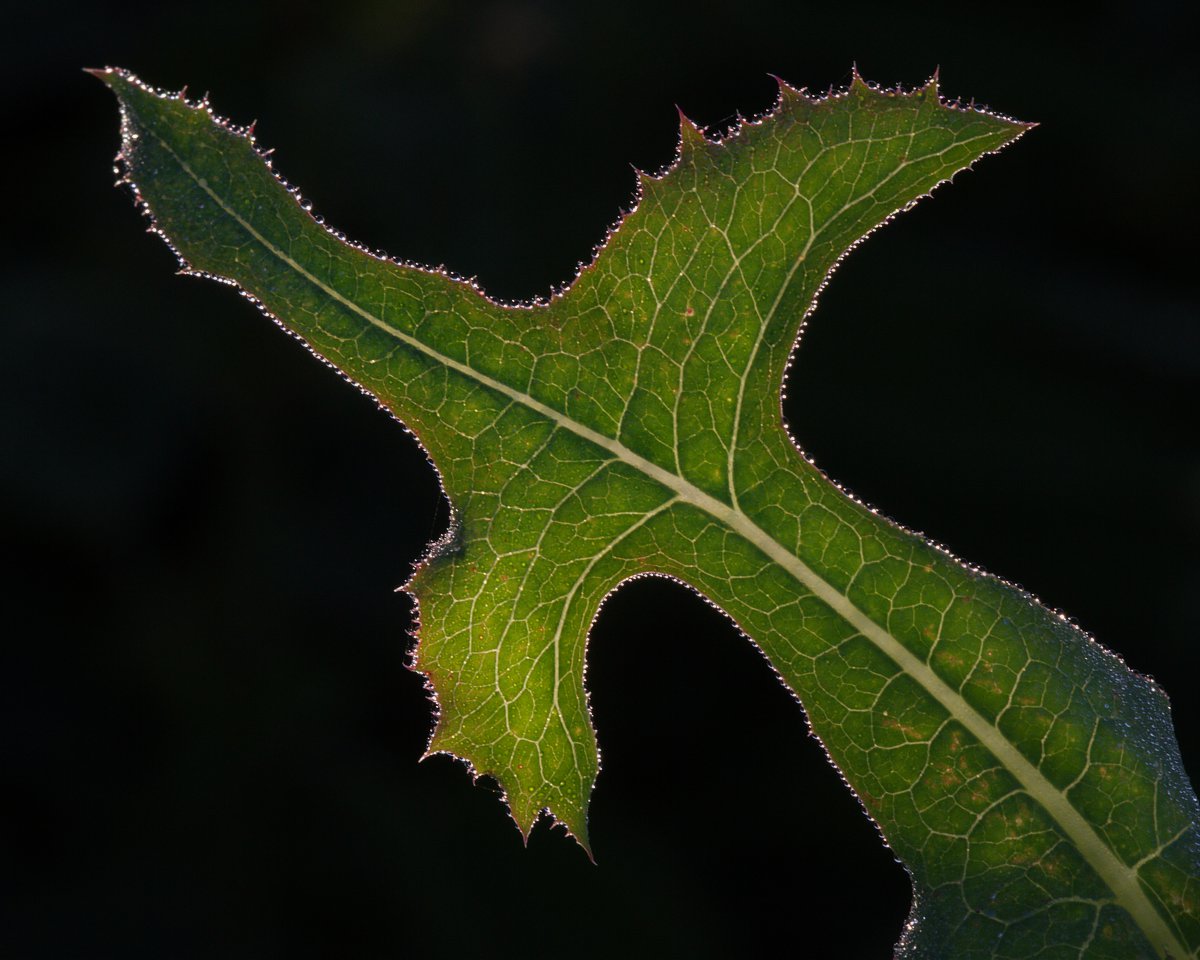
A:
[578,453]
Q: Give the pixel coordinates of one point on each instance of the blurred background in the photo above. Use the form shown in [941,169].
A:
[210,740]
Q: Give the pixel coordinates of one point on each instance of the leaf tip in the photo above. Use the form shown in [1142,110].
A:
[585,844]
[858,85]
[109,76]
[574,824]
[787,93]
[690,135]
[112,77]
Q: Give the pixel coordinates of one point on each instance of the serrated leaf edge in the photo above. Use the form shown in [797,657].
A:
[1121,880]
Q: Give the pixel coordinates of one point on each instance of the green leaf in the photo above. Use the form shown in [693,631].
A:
[631,425]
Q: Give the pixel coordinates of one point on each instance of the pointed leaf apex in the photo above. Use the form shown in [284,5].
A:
[524,822]
[857,84]
[933,84]
[690,135]
[574,824]
[580,836]
[787,93]
[126,86]
[109,76]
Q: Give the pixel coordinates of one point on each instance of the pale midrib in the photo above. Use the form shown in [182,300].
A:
[1121,879]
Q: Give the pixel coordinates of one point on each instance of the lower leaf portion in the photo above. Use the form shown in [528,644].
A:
[1062,839]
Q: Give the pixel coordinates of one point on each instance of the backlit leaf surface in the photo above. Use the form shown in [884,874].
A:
[632,425]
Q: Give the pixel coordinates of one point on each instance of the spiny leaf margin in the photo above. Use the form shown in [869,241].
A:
[856,85]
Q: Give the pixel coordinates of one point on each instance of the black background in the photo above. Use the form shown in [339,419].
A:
[208,738]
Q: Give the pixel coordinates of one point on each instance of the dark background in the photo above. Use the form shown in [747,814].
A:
[209,739]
